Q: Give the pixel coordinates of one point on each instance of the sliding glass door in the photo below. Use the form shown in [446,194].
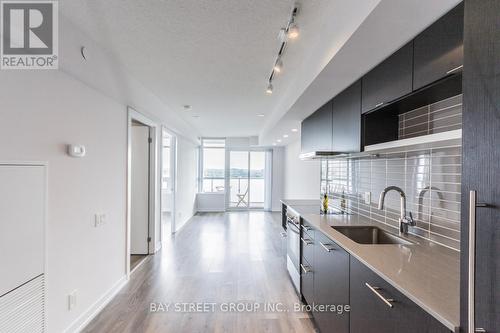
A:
[246,181]
[257,181]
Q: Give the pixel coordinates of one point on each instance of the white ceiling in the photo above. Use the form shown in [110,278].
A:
[216,55]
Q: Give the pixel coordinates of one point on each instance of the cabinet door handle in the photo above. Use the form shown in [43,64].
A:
[473,204]
[379,104]
[453,70]
[327,247]
[387,301]
[306,228]
[306,269]
[306,241]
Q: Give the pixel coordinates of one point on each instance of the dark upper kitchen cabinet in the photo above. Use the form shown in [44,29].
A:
[346,119]
[316,130]
[438,50]
[377,307]
[480,168]
[331,283]
[336,126]
[389,81]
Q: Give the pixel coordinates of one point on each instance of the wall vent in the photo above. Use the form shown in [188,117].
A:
[22,309]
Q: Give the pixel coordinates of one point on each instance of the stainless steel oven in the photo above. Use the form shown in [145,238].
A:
[293,247]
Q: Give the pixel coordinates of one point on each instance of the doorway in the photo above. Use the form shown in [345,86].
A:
[142,228]
[140,153]
[247,179]
[168,177]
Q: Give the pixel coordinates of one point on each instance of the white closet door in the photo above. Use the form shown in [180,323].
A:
[22,214]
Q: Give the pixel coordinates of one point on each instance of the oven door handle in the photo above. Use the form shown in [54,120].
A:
[293,228]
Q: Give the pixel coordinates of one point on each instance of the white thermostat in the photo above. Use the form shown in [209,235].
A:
[76,150]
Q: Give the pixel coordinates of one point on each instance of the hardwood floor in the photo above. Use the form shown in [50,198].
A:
[218,258]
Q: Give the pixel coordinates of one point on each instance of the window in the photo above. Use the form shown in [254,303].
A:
[214,160]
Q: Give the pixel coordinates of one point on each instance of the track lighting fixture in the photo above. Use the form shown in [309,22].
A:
[290,31]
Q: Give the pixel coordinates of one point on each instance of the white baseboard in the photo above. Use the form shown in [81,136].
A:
[211,210]
[85,318]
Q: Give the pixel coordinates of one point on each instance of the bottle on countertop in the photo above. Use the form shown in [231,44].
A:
[325,204]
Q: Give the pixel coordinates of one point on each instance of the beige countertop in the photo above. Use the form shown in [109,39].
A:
[425,272]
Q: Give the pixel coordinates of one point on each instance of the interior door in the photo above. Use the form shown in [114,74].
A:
[481,168]
[22,213]
[139,208]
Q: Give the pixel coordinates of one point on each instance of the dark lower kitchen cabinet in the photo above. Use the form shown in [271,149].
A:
[307,241]
[346,120]
[316,130]
[480,225]
[438,50]
[378,307]
[331,284]
[389,81]
[307,281]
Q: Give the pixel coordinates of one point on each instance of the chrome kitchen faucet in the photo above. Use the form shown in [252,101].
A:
[404,221]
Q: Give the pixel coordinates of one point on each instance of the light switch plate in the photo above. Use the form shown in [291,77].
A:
[99,219]
[102,219]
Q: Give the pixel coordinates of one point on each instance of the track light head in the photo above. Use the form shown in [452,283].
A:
[269,89]
[278,66]
[293,31]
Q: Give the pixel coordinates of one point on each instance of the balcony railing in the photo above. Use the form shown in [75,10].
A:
[239,186]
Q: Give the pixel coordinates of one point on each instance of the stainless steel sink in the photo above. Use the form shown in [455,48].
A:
[371,235]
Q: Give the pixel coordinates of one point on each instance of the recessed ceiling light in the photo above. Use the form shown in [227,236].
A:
[260,115]
[278,66]
[274,143]
[269,89]
[187,107]
[279,140]
[285,135]
[293,31]
[294,130]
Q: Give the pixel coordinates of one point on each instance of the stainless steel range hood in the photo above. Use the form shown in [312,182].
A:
[316,155]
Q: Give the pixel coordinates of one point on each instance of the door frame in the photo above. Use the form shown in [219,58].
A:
[227,180]
[173,175]
[153,182]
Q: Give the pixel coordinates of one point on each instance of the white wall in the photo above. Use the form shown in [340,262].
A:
[187,185]
[211,202]
[41,112]
[278,188]
[302,178]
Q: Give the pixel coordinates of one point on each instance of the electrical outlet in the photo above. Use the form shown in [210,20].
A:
[368,197]
[72,300]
